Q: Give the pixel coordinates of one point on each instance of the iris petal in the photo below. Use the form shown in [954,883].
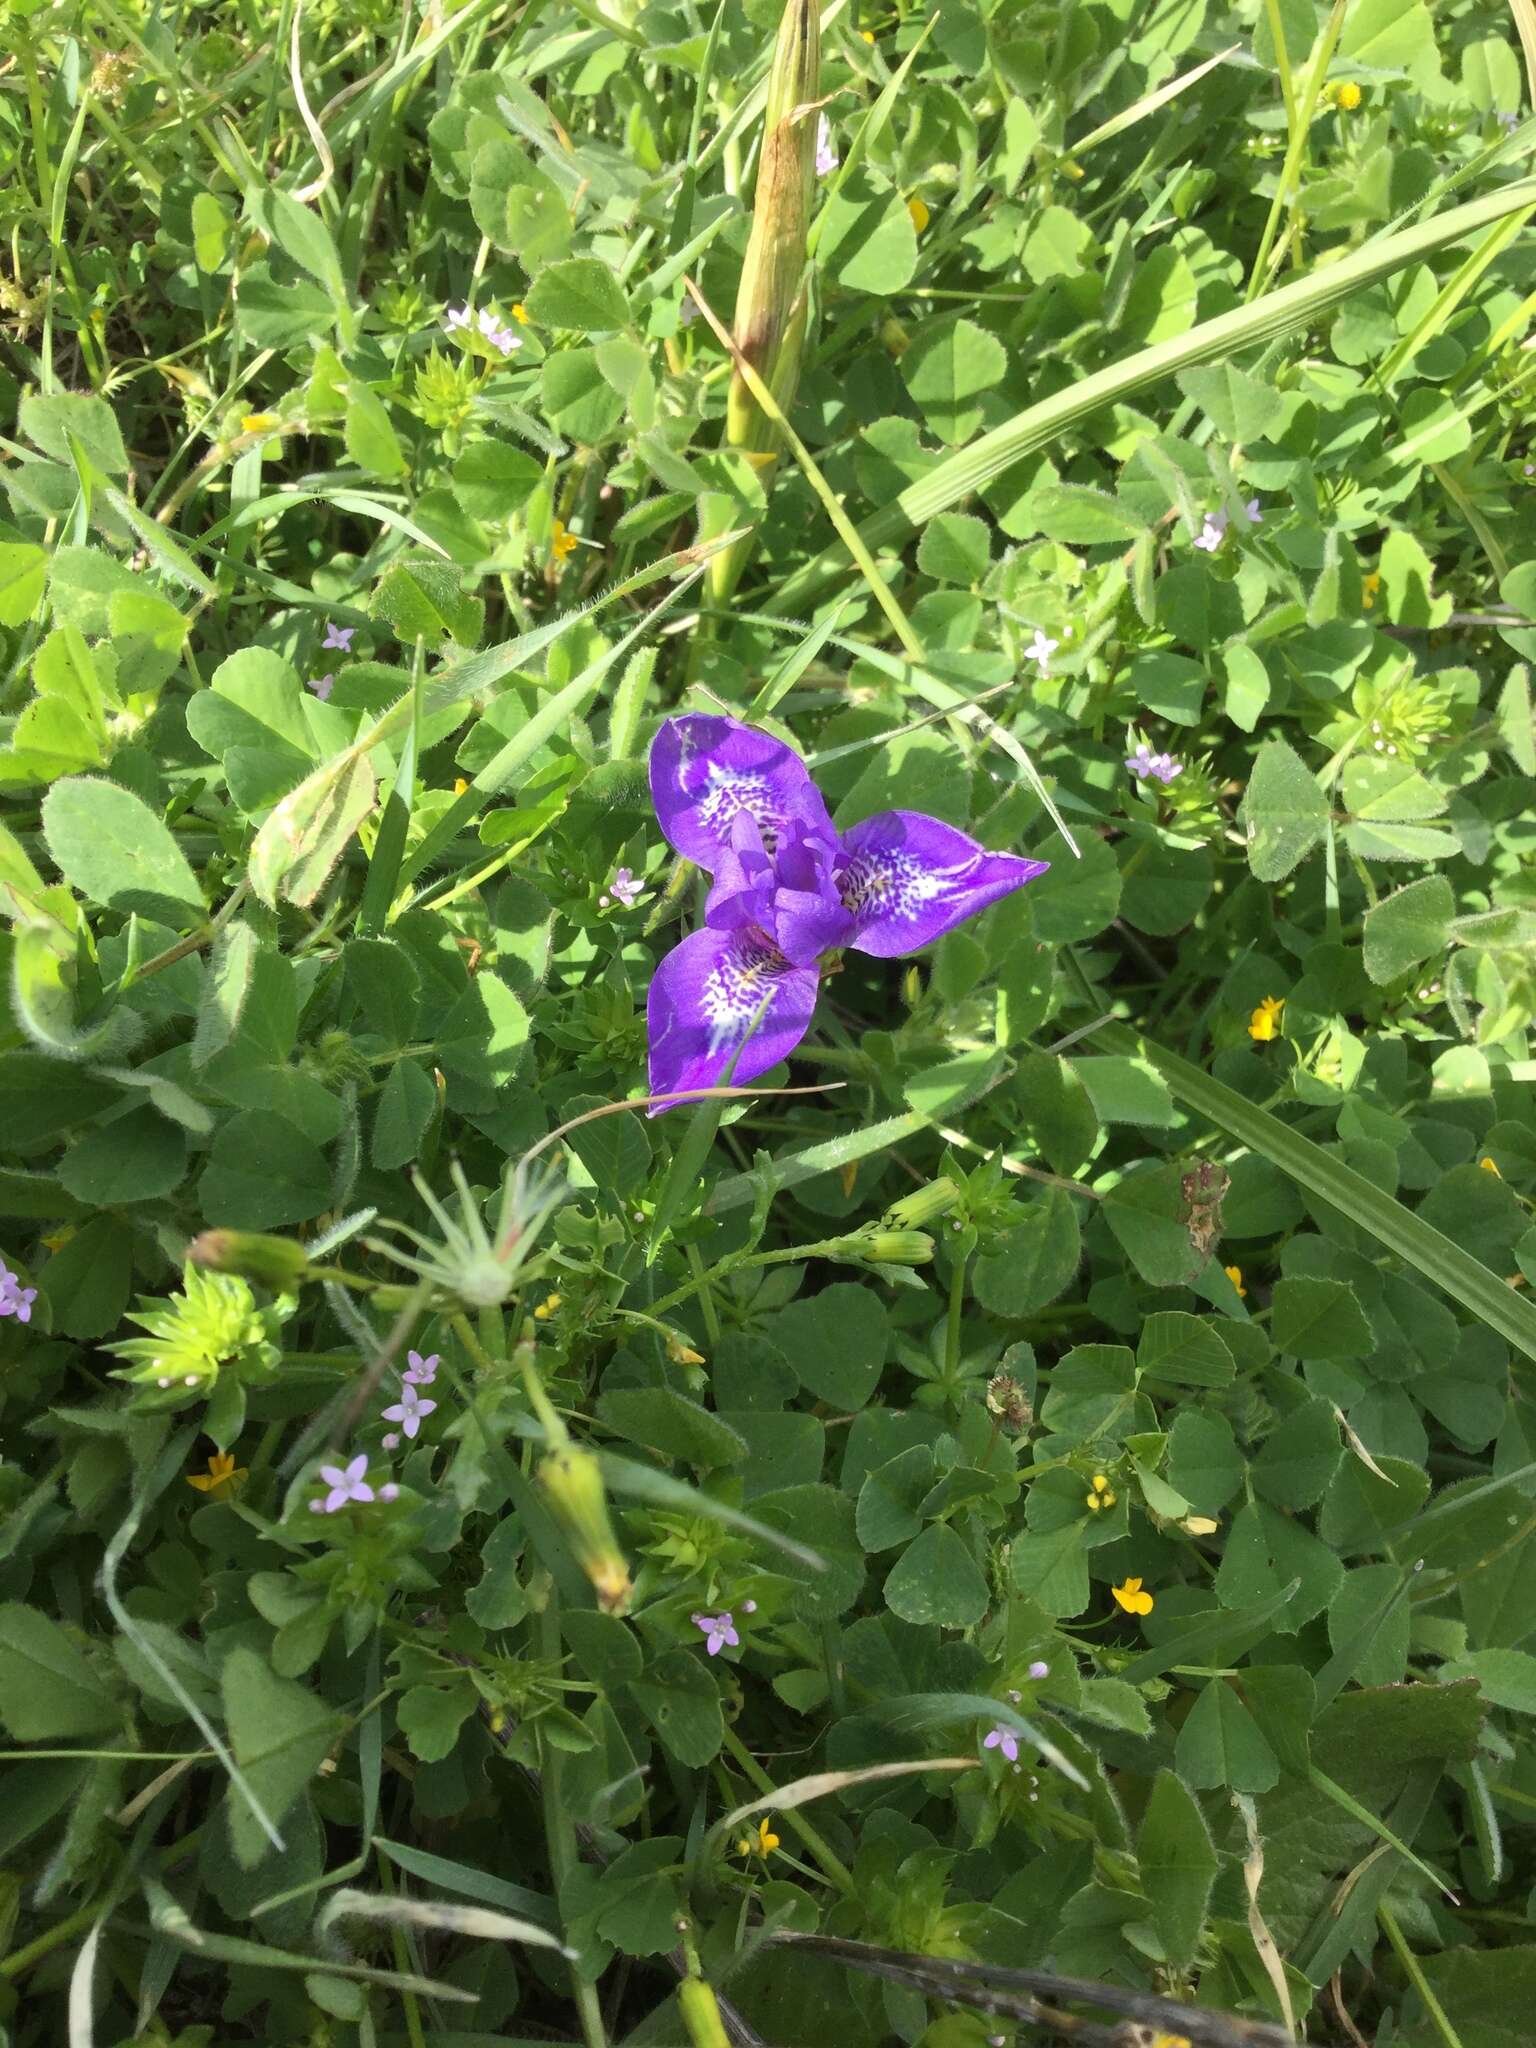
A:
[706,771]
[703,1002]
[908,879]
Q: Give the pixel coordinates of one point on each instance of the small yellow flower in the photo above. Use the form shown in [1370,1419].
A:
[1071,170]
[763,1843]
[60,1238]
[1101,1496]
[1347,97]
[1370,585]
[867,36]
[259,422]
[460,785]
[681,1352]
[1488,1166]
[1161,2040]
[1199,1525]
[547,1307]
[221,1479]
[1235,1275]
[919,213]
[564,542]
[1264,1024]
[1131,1598]
[520,314]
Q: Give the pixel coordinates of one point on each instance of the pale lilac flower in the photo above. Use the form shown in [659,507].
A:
[1210,535]
[496,333]
[718,1630]
[827,158]
[1254,515]
[322,686]
[15,1300]
[1144,762]
[688,312]
[749,1607]
[624,889]
[347,1482]
[1039,1669]
[1508,122]
[339,637]
[458,316]
[788,888]
[389,1492]
[409,1410]
[1041,649]
[419,1371]
[1004,1739]
[391,1440]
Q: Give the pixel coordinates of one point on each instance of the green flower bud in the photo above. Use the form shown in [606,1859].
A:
[922,1205]
[277,1262]
[898,1247]
[571,1481]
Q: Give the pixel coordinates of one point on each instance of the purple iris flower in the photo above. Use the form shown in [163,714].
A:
[788,888]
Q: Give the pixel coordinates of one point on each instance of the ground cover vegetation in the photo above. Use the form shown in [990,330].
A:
[766,1135]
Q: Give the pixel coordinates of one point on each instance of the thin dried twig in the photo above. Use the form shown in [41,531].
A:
[1017,1994]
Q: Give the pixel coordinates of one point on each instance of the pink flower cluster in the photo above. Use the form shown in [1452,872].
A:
[349,1482]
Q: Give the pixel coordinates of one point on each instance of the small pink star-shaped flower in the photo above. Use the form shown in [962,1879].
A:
[719,1630]
[339,637]
[322,686]
[347,1482]
[1004,1739]
[419,1371]
[409,1410]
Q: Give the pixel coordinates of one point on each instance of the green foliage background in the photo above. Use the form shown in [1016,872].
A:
[1229,1301]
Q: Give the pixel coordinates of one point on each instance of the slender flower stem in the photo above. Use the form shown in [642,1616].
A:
[956,1311]
[836,1870]
[706,1298]
[1416,1977]
[22,1959]
[559,1833]
[828,1247]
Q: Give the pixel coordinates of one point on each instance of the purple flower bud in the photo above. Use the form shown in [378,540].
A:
[389,1491]
[1039,1669]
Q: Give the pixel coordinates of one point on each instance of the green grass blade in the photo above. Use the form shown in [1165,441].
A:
[1427,1250]
[1285,311]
